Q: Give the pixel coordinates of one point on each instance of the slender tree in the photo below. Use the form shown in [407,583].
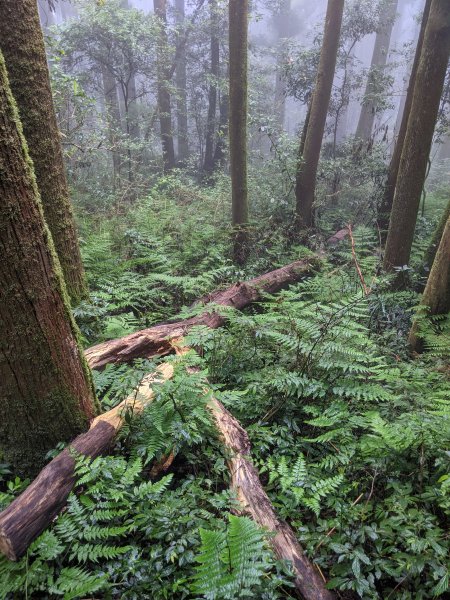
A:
[208,164]
[436,297]
[379,60]
[46,394]
[307,168]
[22,44]
[222,131]
[112,107]
[181,84]
[238,36]
[283,28]
[164,103]
[389,190]
[428,88]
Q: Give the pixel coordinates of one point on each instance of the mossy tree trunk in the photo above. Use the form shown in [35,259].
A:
[428,88]
[307,167]
[378,64]
[238,39]
[436,296]
[181,83]
[430,253]
[164,101]
[385,208]
[22,44]
[208,165]
[46,393]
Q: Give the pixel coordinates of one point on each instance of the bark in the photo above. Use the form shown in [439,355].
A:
[222,133]
[164,102]
[114,122]
[431,73]
[391,182]
[434,244]
[46,393]
[307,169]
[208,165]
[238,37]
[23,47]
[181,83]
[255,502]
[379,60]
[157,340]
[31,512]
[436,297]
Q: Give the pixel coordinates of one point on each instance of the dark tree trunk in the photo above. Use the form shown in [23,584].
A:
[181,83]
[428,88]
[22,44]
[164,107]
[208,164]
[283,27]
[436,297]
[46,394]
[238,35]
[379,60]
[307,168]
[385,208]
[114,122]
[430,253]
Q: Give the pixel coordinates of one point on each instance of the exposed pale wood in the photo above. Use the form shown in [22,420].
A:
[156,341]
[31,512]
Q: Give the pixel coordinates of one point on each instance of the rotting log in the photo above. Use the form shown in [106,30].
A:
[31,512]
[157,340]
[255,502]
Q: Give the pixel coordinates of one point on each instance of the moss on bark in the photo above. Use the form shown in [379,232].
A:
[22,44]
[46,392]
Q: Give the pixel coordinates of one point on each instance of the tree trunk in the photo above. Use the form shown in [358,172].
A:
[46,394]
[428,87]
[208,165]
[379,60]
[114,122]
[436,297]
[430,253]
[181,83]
[22,44]
[385,208]
[238,35]
[222,132]
[158,340]
[164,108]
[307,168]
[283,27]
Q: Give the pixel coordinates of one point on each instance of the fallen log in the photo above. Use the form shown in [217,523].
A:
[31,512]
[255,502]
[157,340]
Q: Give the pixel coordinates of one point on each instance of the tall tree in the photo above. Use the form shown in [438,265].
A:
[164,103]
[46,393]
[436,296]
[114,121]
[389,190]
[238,38]
[208,164]
[283,28]
[428,88]
[308,163]
[22,44]
[181,84]
[378,64]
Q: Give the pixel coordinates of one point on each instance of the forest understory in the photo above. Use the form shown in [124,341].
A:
[224,364]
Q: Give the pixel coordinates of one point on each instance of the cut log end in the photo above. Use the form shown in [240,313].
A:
[6,547]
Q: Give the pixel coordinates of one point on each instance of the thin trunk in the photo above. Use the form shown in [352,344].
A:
[378,64]
[436,297]
[45,386]
[222,131]
[164,107]
[238,36]
[24,52]
[283,32]
[181,84]
[114,122]
[208,164]
[430,253]
[307,168]
[385,208]
[430,77]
